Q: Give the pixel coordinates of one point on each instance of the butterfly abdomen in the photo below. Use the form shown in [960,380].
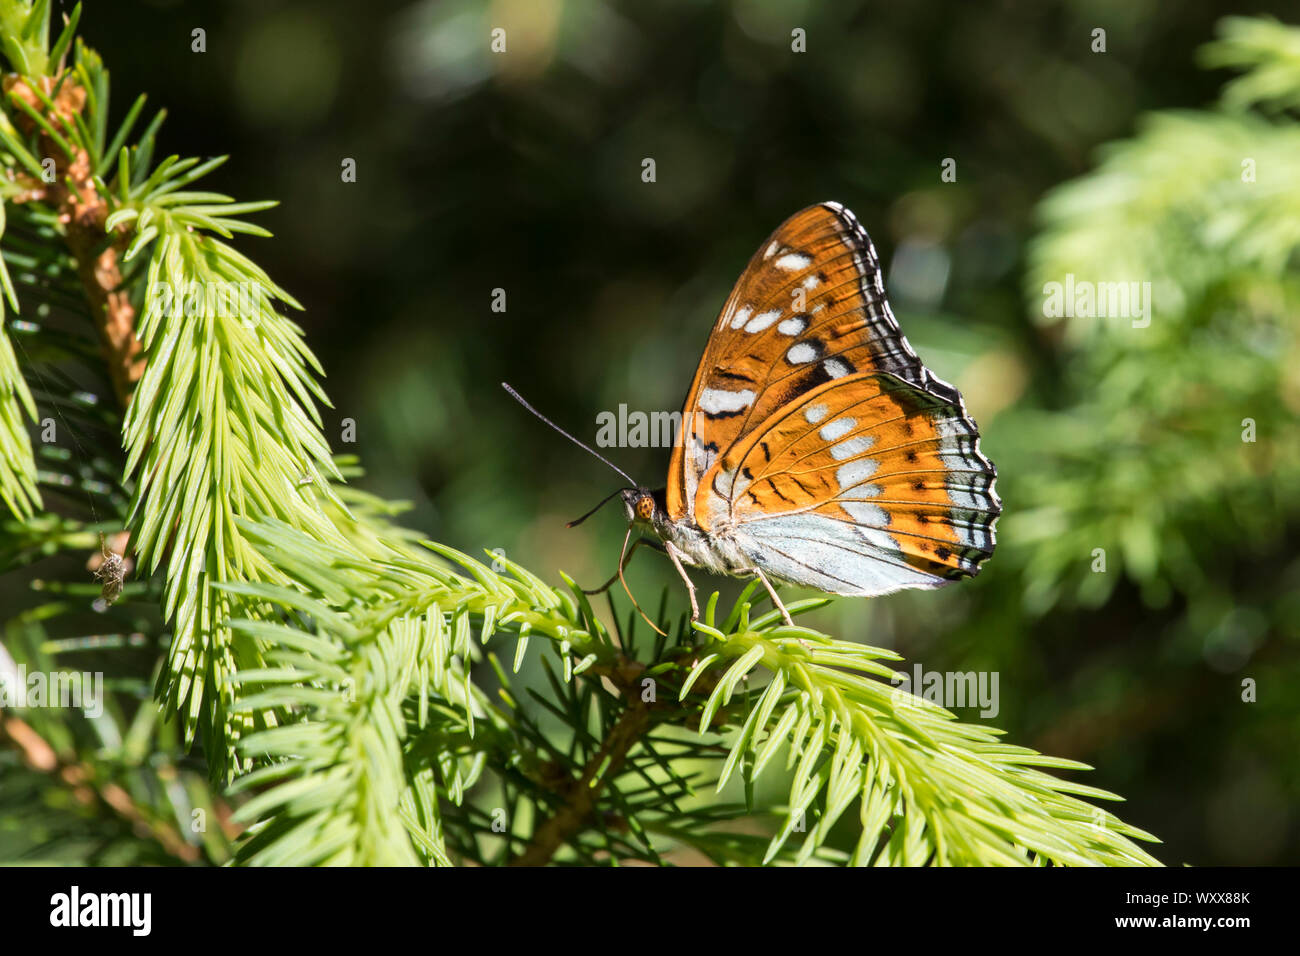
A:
[718,552]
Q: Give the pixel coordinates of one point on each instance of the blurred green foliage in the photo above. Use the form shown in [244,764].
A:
[522,173]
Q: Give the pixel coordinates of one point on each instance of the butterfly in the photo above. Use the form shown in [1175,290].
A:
[816,449]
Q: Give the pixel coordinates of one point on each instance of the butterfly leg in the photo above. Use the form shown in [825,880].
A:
[690,585]
[623,563]
[623,581]
[776,601]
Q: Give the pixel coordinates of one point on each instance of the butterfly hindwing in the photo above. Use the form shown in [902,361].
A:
[861,486]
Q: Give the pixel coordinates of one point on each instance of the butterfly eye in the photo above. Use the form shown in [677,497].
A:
[645,507]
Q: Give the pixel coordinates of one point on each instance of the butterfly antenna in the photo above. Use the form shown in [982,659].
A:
[604,501]
[587,448]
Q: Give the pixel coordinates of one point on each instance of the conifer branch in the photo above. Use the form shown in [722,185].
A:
[930,789]
[580,797]
[82,211]
[343,673]
[81,780]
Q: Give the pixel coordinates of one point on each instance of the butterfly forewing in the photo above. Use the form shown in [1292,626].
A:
[813,432]
[808,308]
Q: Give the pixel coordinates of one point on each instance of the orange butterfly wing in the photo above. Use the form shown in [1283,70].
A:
[822,260]
[807,329]
[867,465]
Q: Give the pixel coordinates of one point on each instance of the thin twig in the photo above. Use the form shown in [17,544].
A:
[80,778]
[580,795]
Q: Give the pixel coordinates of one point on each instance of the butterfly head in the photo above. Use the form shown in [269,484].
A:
[642,505]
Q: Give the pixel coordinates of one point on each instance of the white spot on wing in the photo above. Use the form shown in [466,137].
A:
[793,325]
[811,282]
[771,250]
[866,491]
[761,321]
[864,512]
[793,261]
[724,481]
[837,429]
[716,401]
[852,447]
[836,368]
[814,413]
[801,353]
[855,472]
[741,317]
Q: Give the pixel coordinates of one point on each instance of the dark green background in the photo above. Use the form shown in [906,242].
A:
[523,172]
